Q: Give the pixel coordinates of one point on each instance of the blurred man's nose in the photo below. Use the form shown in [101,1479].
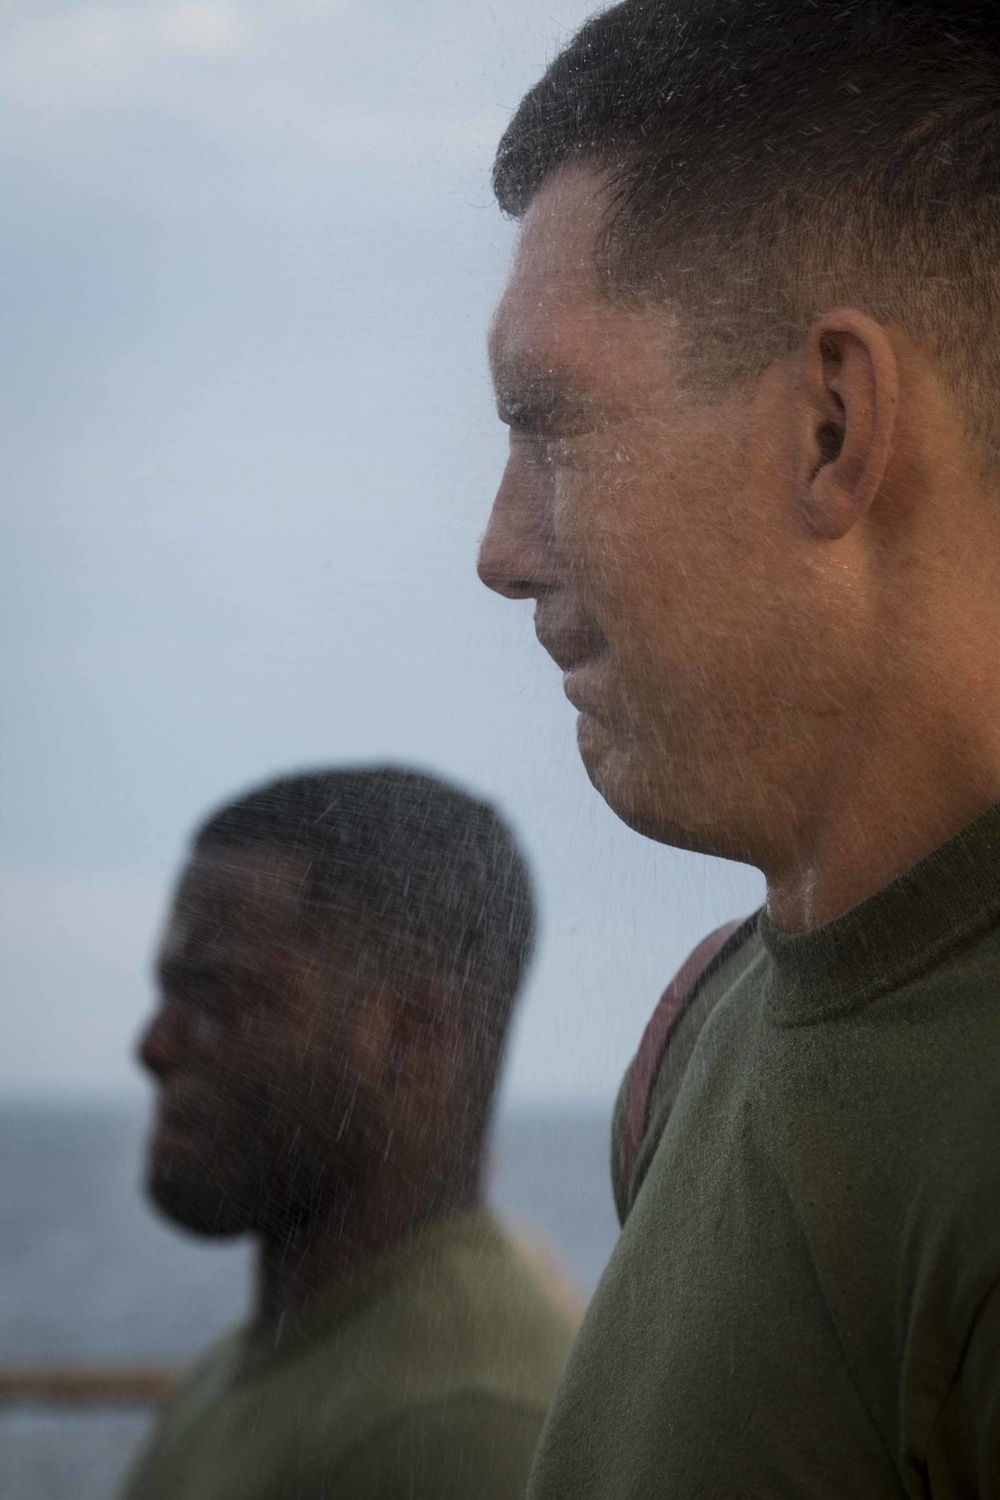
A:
[513,557]
[161,1045]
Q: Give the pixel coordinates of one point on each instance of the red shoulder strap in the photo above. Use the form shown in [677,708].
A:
[642,1073]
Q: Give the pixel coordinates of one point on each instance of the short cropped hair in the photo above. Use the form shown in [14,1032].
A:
[426,878]
[767,160]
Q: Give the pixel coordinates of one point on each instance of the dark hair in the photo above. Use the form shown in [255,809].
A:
[768,159]
[426,876]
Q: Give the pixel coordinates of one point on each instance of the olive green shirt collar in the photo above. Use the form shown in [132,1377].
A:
[896,934]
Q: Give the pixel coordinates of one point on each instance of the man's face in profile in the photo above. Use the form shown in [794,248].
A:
[255,1101]
[650,530]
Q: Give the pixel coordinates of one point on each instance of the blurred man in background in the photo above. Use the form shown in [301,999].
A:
[337,979]
[748,355]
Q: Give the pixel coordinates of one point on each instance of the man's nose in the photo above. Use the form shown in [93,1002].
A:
[514,558]
[161,1046]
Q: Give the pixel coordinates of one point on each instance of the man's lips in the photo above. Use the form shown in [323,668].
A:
[563,656]
[581,689]
[578,648]
[571,649]
[178,1120]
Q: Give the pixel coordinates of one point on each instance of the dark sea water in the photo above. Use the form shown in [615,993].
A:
[87,1273]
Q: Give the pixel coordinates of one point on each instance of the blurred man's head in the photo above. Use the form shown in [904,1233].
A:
[748,357]
[337,978]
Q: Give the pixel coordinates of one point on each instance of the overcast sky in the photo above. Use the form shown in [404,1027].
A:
[249,253]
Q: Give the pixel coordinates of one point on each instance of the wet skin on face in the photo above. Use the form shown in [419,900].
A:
[676,582]
[774,605]
[260,1119]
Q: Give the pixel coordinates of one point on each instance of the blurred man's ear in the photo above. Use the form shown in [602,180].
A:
[851,388]
[373,1036]
[437,1069]
[404,1043]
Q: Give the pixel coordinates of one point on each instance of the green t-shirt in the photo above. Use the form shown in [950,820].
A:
[426,1372]
[803,1302]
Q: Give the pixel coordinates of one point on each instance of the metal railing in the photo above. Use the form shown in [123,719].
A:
[87,1385]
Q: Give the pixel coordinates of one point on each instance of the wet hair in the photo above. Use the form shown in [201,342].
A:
[767,160]
[427,881]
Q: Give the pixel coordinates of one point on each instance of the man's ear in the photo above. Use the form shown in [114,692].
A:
[373,1035]
[852,384]
[417,1034]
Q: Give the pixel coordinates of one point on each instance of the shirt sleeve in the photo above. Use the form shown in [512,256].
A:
[465,1449]
[963,1455]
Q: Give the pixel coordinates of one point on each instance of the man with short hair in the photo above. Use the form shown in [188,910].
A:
[748,355]
[337,980]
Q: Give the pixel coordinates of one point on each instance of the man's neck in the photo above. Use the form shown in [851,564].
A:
[894,805]
[295,1263]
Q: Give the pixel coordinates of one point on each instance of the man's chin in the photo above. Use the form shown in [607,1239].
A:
[202,1208]
[609,768]
[619,771]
